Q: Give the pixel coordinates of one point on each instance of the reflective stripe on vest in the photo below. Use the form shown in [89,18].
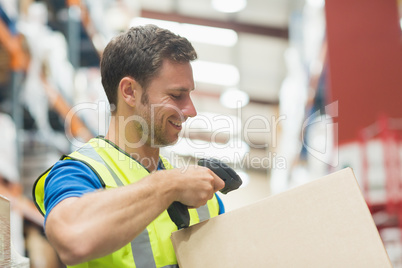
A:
[90,152]
[142,250]
[203,213]
[115,168]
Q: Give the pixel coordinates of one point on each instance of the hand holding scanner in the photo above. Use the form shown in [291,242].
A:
[179,213]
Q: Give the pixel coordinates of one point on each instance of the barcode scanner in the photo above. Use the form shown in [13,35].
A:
[178,212]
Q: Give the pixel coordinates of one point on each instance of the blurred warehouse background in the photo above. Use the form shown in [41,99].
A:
[287,92]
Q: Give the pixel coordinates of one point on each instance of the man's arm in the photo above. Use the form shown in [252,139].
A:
[76,226]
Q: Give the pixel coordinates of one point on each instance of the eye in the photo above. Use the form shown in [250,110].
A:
[175,96]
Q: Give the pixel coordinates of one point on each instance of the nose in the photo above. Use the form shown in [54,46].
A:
[189,109]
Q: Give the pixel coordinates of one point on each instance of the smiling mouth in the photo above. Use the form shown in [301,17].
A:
[176,124]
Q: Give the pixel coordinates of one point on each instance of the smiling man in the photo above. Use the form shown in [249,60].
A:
[105,204]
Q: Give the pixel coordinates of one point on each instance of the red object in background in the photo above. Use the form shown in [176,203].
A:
[365,62]
[387,133]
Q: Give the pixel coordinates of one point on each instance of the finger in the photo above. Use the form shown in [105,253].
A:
[218,183]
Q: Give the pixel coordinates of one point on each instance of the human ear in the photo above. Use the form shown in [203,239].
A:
[127,88]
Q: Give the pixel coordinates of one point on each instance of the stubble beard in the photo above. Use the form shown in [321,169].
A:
[156,135]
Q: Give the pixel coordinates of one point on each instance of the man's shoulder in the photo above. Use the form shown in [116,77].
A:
[65,171]
[71,165]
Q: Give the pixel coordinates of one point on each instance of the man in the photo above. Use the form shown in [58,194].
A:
[147,76]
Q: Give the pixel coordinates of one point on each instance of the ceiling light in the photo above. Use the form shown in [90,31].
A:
[234,98]
[215,73]
[229,6]
[194,33]
[316,3]
[209,35]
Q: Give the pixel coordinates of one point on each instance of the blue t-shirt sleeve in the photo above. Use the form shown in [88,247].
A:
[68,178]
[221,205]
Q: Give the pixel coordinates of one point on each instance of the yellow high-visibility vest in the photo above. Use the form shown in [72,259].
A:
[115,168]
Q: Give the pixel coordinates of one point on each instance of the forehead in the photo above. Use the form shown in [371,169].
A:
[174,75]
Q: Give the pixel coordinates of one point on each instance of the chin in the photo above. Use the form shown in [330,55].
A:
[164,143]
[172,142]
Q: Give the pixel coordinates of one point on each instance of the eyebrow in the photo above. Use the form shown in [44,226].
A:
[182,89]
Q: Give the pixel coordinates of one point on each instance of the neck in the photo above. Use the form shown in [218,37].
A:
[125,136]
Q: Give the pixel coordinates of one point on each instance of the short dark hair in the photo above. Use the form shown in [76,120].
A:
[139,53]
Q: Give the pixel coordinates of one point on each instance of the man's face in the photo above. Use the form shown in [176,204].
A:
[168,104]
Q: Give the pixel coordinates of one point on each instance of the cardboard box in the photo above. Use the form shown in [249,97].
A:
[9,258]
[325,223]
[5,253]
